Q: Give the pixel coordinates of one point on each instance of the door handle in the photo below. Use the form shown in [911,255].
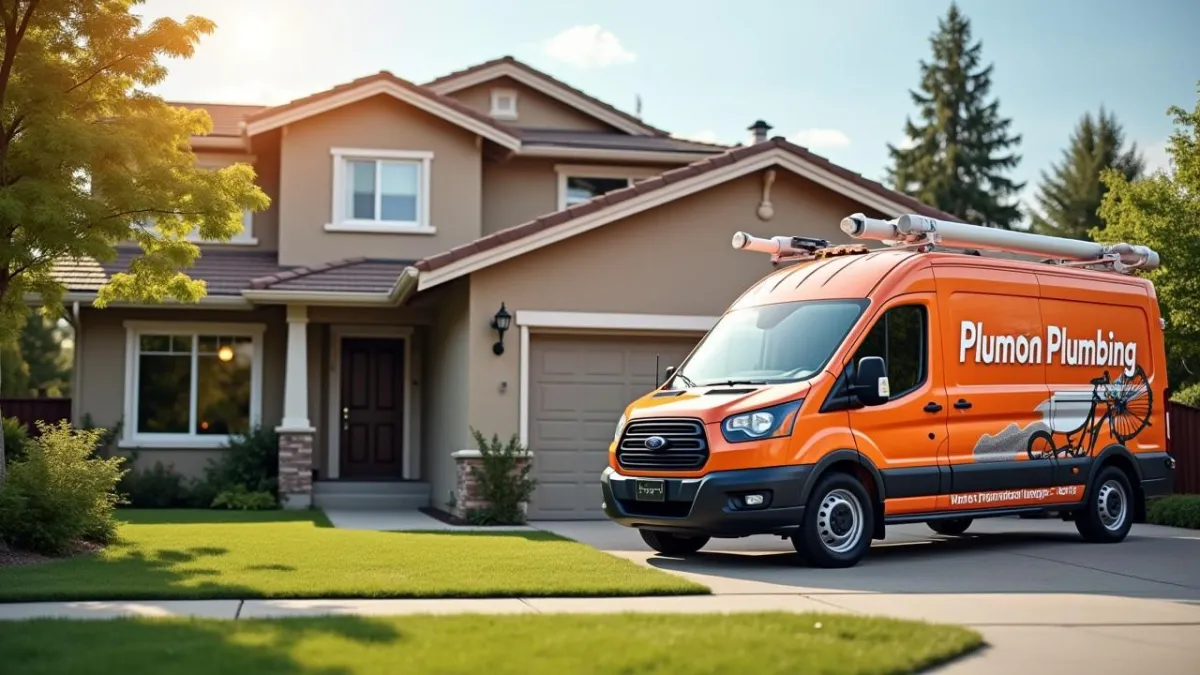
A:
[345,419]
[962,404]
[932,407]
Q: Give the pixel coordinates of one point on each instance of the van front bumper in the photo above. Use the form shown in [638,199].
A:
[712,505]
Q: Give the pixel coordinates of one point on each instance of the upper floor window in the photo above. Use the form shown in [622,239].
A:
[577,184]
[380,191]
[246,236]
[504,104]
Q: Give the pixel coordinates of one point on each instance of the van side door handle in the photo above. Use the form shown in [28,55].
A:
[962,404]
[932,407]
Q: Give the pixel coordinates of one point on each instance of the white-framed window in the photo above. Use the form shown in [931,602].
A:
[381,191]
[504,104]
[577,184]
[191,384]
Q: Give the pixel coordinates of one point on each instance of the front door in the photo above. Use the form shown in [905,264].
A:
[372,413]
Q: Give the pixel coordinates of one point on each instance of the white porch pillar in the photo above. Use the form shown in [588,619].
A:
[296,432]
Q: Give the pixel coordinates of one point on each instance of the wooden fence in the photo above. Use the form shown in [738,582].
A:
[1184,446]
[29,410]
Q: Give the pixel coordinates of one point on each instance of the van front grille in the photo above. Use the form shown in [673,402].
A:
[685,447]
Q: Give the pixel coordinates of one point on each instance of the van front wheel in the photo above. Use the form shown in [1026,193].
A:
[672,544]
[837,524]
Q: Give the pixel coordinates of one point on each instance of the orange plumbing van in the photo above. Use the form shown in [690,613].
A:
[856,388]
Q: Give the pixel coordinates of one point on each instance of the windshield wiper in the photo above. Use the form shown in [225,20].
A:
[733,383]
[687,381]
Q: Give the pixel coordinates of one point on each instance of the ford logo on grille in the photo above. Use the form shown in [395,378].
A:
[656,443]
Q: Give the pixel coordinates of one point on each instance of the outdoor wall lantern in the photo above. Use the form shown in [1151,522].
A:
[500,322]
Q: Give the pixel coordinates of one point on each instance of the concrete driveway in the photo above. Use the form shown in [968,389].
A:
[1041,596]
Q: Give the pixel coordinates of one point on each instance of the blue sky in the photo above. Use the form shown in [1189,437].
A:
[833,75]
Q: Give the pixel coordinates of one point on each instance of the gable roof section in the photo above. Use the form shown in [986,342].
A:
[226,118]
[546,84]
[383,82]
[668,186]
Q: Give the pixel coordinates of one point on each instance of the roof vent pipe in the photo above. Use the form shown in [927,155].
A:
[758,131]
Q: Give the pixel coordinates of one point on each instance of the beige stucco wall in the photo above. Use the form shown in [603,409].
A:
[379,123]
[445,372]
[102,369]
[673,259]
[518,190]
[534,109]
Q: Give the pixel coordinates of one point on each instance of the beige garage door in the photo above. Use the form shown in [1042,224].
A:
[578,388]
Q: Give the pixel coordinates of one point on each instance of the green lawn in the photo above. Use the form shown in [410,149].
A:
[285,554]
[757,644]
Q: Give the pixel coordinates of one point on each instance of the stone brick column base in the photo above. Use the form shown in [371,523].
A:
[295,469]
[467,495]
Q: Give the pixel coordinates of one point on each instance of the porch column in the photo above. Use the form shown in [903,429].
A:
[295,432]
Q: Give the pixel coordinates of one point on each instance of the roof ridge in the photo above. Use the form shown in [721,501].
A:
[303,271]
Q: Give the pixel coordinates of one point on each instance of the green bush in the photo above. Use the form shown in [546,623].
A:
[251,462]
[1189,395]
[16,440]
[1175,511]
[60,493]
[241,499]
[503,481]
[158,488]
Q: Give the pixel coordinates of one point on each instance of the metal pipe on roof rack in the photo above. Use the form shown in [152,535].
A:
[915,229]
[743,241]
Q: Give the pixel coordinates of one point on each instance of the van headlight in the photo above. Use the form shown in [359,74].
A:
[754,425]
[620,427]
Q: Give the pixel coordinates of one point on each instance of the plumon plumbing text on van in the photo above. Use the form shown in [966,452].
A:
[855,388]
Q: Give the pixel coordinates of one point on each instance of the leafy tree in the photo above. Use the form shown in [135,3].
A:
[89,158]
[960,147]
[1162,211]
[1070,195]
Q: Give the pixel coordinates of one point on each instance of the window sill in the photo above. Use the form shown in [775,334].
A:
[503,115]
[232,242]
[379,228]
[176,443]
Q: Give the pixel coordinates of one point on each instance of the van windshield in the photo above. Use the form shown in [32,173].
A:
[785,342]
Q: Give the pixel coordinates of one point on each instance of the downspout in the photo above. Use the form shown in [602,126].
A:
[76,365]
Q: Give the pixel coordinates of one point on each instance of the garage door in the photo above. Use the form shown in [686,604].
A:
[578,388]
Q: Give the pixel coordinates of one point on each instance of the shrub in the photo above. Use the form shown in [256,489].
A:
[1189,395]
[60,493]
[158,488]
[1175,511]
[503,481]
[242,499]
[250,462]
[16,439]
[108,435]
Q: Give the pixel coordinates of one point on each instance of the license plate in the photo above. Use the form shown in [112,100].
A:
[650,491]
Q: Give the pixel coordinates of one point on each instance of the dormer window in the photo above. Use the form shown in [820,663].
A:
[504,104]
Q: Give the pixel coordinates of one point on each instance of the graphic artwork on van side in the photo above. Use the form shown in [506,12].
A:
[1076,422]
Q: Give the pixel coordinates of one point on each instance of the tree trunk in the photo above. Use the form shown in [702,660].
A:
[3,459]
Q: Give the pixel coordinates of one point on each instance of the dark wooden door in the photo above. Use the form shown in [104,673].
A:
[372,414]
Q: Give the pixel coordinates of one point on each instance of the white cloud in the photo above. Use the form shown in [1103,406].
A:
[821,138]
[588,47]
[1156,157]
[905,143]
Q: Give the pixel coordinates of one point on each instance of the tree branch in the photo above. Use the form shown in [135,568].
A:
[137,211]
[13,34]
[103,68]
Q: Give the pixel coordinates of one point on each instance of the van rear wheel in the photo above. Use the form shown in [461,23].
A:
[672,544]
[951,527]
[837,524]
[1108,515]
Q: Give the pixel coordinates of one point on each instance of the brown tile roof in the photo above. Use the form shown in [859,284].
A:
[227,272]
[226,118]
[349,275]
[553,80]
[389,77]
[605,140]
[497,239]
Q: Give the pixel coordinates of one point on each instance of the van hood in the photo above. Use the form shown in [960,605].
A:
[713,404]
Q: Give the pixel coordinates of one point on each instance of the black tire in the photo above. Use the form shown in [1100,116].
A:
[1040,445]
[839,506]
[672,544]
[1108,514]
[951,527]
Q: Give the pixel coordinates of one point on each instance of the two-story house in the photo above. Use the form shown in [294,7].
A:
[358,314]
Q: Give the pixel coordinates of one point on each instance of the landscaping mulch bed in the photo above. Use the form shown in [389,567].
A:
[11,557]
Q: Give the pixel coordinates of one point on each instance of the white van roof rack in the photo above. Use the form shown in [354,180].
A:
[925,233]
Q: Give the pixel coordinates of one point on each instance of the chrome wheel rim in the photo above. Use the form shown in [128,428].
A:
[1112,505]
[840,521]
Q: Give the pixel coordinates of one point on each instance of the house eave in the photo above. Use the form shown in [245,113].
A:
[607,154]
[405,286]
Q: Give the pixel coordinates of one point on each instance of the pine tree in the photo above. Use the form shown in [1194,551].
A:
[1070,195]
[960,147]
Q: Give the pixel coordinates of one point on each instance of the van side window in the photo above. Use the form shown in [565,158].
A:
[900,338]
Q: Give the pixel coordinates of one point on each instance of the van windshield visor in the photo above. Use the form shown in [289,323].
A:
[769,344]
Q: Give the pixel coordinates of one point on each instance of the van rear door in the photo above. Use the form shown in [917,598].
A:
[996,385]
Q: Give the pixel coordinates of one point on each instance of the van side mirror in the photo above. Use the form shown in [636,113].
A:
[871,381]
[668,373]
